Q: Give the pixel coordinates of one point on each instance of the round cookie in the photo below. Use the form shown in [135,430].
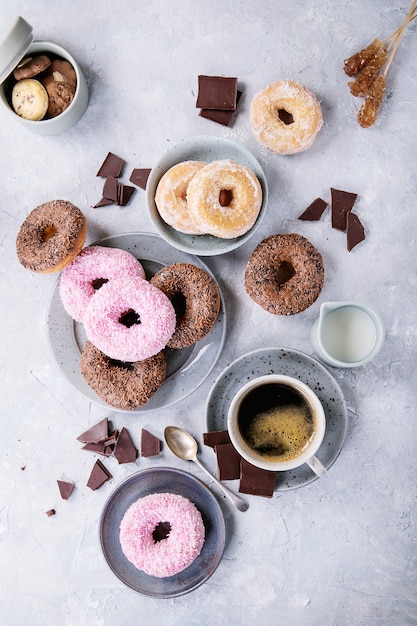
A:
[284,274]
[122,385]
[30,67]
[60,97]
[30,99]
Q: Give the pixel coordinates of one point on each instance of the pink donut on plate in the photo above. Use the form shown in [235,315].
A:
[129,319]
[162,534]
[93,267]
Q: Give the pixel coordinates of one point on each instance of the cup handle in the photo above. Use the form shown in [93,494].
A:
[317,466]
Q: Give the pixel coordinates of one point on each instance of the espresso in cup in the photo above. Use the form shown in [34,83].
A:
[277,422]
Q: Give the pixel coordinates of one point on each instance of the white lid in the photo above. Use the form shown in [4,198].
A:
[14,43]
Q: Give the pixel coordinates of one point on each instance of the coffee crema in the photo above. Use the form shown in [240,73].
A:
[276,421]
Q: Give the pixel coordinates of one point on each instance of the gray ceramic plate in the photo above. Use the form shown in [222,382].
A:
[298,365]
[202,149]
[157,480]
[186,369]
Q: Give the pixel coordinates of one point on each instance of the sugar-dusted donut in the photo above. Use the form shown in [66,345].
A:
[124,386]
[51,236]
[286,117]
[129,319]
[196,300]
[171,196]
[224,199]
[92,268]
[284,274]
[162,534]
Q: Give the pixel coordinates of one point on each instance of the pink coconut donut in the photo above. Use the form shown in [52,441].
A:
[162,534]
[129,319]
[93,267]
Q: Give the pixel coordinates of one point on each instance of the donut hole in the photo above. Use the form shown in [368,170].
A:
[98,282]
[285,272]
[225,197]
[129,318]
[48,232]
[285,116]
[179,302]
[161,531]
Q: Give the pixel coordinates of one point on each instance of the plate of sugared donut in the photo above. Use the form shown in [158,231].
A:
[162,520]
[206,195]
[170,372]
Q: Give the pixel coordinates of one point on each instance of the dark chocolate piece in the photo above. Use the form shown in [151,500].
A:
[111,439]
[111,166]
[139,177]
[124,193]
[98,448]
[65,489]
[98,432]
[342,203]
[216,438]
[125,451]
[228,461]
[50,512]
[314,211]
[219,116]
[256,481]
[355,231]
[217,92]
[99,475]
[149,444]
[110,188]
[103,202]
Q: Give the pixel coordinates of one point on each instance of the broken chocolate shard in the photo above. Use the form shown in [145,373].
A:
[139,177]
[216,438]
[342,203]
[125,451]
[99,475]
[314,211]
[103,202]
[256,481]
[65,489]
[98,448]
[217,92]
[111,166]
[149,444]
[219,116]
[124,193]
[355,231]
[50,512]
[95,434]
[110,188]
[228,461]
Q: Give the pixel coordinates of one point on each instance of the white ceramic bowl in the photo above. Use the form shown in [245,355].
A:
[202,149]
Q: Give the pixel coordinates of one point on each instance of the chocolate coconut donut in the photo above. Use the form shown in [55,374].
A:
[124,386]
[285,274]
[196,300]
[51,237]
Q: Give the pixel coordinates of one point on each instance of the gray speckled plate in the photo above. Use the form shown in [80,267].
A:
[207,149]
[298,365]
[186,369]
[157,480]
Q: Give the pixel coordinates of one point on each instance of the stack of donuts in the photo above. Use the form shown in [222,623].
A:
[221,198]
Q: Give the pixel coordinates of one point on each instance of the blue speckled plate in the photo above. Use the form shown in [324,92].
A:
[186,369]
[157,480]
[210,148]
[298,365]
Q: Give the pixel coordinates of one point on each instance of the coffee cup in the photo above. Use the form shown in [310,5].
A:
[277,423]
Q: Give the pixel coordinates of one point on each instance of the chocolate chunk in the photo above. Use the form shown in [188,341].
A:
[125,451]
[342,203]
[149,444]
[124,193]
[65,489]
[139,177]
[314,211]
[98,448]
[219,116]
[256,481]
[217,92]
[228,461]
[103,202]
[50,512]
[111,166]
[99,475]
[110,188]
[98,432]
[355,231]
[216,438]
